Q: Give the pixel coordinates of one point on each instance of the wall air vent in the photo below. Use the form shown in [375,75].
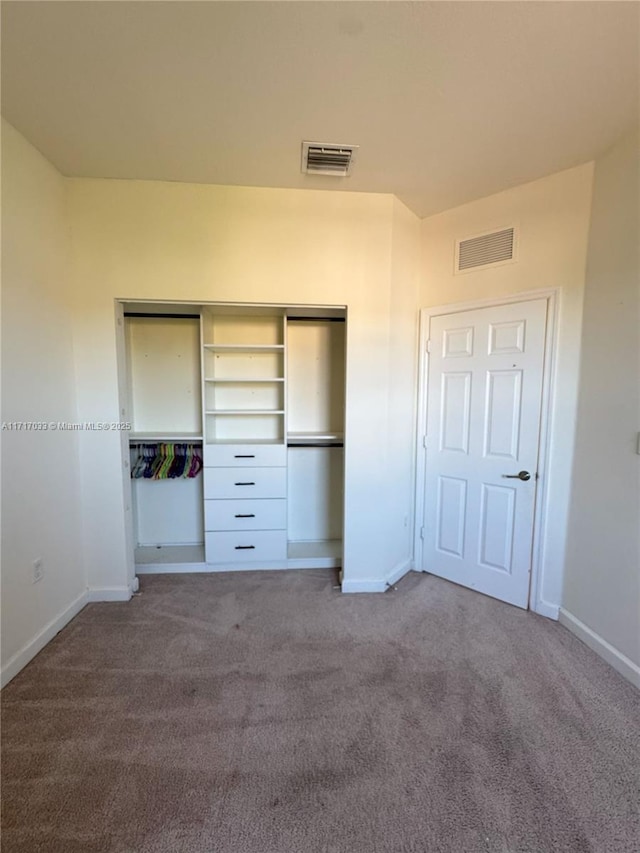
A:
[325,158]
[490,249]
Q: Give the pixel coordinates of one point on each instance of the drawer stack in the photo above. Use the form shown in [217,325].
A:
[245,489]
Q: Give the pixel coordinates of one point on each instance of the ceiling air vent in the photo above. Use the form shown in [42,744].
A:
[496,247]
[321,158]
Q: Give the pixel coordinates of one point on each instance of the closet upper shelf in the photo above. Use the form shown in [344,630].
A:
[242,441]
[164,436]
[244,381]
[249,412]
[244,347]
[316,438]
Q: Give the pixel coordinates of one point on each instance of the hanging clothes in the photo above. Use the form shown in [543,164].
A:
[166,461]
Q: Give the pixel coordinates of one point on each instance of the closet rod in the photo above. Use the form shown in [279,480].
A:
[315,319]
[162,316]
[314,444]
[145,442]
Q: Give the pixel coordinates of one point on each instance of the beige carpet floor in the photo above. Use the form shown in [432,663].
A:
[267,713]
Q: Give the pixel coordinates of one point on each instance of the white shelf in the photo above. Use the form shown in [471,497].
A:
[247,441]
[244,412]
[164,436]
[245,381]
[315,437]
[244,347]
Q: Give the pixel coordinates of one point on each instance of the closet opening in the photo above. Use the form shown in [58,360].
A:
[236,453]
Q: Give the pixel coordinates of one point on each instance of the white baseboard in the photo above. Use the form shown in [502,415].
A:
[212,568]
[109,593]
[624,665]
[31,649]
[543,608]
[170,568]
[363,585]
[399,572]
[378,585]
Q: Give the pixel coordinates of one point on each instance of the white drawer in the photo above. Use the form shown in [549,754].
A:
[246,547]
[245,515]
[251,455]
[242,483]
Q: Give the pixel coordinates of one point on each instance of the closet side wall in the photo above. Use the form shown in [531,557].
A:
[402,387]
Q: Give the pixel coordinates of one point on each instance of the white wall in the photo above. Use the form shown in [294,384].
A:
[552,216]
[148,240]
[40,469]
[602,584]
[403,379]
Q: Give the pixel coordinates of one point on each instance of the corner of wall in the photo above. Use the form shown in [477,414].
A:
[601,593]
[42,518]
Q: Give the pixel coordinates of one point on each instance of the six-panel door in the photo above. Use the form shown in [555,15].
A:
[483,424]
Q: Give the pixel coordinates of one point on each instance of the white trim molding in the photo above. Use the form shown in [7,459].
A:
[26,654]
[378,584]
[109,593]
[171,568]
[624,665]
[213,568]
[399,572]
[543,608]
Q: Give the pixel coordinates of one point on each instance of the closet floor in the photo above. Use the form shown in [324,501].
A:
[161,554]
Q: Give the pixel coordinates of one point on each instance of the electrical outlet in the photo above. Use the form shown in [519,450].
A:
[38,570]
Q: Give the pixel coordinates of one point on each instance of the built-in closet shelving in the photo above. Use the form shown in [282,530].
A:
[261,390]
[243,368]
[243,377]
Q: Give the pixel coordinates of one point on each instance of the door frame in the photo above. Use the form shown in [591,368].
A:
[551,296]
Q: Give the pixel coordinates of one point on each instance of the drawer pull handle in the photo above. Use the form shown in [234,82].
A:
[245,515]
[244,456]
[245,547]
[244,484]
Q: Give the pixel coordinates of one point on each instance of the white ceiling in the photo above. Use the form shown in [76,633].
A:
[449,101]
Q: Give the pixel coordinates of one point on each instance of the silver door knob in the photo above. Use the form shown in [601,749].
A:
[521,475]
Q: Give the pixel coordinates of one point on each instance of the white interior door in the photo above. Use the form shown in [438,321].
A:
[483,425]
